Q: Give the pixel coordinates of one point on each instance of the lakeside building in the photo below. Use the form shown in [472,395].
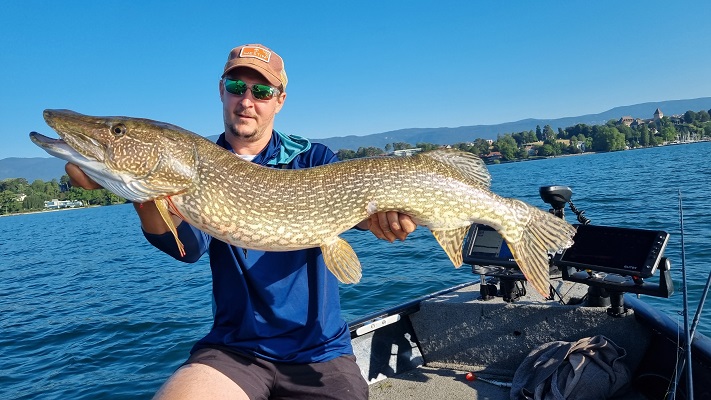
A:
[405,152]
[56,204]
[658,115]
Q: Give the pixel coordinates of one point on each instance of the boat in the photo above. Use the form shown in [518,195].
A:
[482,339]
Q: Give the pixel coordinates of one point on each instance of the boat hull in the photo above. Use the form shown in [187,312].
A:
[429,344]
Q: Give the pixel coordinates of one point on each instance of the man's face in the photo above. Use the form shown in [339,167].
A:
[247,118]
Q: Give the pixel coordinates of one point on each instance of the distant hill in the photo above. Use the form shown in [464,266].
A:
[470,133]
[32,168]
[49,168]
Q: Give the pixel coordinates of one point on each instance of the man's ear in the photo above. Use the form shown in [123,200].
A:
[280,102]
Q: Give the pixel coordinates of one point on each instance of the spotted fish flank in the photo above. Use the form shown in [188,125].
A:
[256,207]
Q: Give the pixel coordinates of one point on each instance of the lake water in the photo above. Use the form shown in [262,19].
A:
[89,310]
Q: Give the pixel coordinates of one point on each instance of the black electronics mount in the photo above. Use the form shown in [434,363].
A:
[610,260]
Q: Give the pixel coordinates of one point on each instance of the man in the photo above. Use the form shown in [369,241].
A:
[277,330]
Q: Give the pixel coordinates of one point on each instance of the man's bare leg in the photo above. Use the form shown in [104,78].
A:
[198,381]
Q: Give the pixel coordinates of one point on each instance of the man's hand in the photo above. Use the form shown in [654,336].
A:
[151,220]
[390,225]
[78,178]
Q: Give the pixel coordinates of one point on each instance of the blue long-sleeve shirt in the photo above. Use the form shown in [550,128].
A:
[280,306]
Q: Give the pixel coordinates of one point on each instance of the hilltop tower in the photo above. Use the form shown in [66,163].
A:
[658,115]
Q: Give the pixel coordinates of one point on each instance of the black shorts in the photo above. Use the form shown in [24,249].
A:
[337,379]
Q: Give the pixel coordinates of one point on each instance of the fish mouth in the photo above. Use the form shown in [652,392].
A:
[74,146]
[56,147]
[59,148]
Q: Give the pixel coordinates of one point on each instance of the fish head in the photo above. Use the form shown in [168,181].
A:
[138,159]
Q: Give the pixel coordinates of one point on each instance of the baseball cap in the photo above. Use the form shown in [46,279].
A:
[259,58]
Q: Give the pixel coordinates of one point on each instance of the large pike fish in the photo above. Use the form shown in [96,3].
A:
[262,208]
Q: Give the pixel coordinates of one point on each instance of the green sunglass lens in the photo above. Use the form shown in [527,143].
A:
[262,92]
[235,87]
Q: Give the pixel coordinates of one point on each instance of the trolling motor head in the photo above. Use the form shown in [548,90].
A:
[557,196]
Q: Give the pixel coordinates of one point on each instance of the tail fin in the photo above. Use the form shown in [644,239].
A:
[530,245]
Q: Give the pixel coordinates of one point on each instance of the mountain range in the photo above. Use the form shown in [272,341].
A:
[53,168]
[470,133]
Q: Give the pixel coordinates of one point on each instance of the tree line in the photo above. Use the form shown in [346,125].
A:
[18,195]
[546,142]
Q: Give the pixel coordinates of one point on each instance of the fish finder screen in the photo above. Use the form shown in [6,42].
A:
[484,246]
[617,250]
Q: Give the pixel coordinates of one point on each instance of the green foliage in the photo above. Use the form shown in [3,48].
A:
[9,203]
[33,202]
[606,138]
[548,133]
[369,152]
[17,195]
[522,154]
[689,117]
[401,146]
[669,133]
[481,147]
[427,146]
[16,185]
[506,145]
[346,154]
[546,150]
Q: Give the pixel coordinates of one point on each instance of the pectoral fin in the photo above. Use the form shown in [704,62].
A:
[452,241]
[165,214]
[341,260]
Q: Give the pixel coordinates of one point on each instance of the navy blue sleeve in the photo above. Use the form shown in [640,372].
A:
[195,242]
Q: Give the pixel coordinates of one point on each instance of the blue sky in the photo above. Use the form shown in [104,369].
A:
[355,68]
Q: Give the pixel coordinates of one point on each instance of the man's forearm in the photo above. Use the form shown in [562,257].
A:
[151,220]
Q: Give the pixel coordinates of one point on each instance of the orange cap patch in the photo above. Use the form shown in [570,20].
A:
[256,52]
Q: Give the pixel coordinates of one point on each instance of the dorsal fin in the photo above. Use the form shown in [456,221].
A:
[470,165]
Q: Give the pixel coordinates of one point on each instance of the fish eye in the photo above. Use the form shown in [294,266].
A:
[118,129]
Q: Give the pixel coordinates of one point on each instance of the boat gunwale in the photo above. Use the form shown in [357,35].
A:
[406,308]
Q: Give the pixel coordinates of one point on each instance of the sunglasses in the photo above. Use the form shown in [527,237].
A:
[260,92]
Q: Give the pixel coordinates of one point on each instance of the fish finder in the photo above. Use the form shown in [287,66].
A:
[623,251]
[610,260]
[489,255]
[485,247]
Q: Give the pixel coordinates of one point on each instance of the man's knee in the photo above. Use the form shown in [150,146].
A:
[198,381]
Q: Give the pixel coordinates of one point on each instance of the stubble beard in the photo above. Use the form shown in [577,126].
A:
[244,132]
[251,136]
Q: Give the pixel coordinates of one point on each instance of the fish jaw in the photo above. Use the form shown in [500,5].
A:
[121,184]
[125,155]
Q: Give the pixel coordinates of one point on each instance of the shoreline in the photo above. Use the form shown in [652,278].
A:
[49,211]
[537,158]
